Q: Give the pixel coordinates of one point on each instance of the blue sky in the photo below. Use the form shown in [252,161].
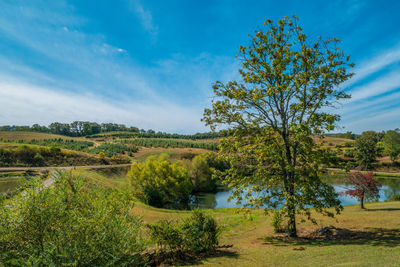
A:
[151,64]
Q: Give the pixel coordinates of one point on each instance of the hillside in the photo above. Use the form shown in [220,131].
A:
[28,136]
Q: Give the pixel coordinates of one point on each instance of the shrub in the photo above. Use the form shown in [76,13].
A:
[348,144]
[277,222]
[198,233]
[349,153]
[73,223]
[110,149]
[167,235]
[160,183]
[395,198]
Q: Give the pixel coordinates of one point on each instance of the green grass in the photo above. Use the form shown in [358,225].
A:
[368,237]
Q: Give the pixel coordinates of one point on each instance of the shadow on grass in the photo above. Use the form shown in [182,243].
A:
[341,236]
[185,259]
[384,209]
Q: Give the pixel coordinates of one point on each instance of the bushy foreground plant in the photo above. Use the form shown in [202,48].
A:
[72,223]
[196,234]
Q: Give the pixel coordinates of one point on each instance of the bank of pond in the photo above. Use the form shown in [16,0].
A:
[220,199]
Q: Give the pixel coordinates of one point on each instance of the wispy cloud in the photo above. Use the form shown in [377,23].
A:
[375,93]
[375,64]
[379,86]
[145,16]
[20,102]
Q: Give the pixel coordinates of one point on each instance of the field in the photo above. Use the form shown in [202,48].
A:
[34,136]
[361,237]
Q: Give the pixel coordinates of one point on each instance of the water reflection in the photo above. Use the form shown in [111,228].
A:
[390,188]
[8,184]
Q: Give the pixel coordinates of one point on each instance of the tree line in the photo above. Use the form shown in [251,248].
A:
[94,129]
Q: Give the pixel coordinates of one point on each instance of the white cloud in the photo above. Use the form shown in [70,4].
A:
[22,103]
[377,87]
[145,16]
[375,64]
[387,120]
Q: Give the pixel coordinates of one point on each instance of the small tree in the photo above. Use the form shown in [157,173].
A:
[391,144]
[366,150]
[161,183]
[364,187]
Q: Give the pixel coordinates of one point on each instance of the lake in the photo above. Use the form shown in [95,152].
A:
[391,187]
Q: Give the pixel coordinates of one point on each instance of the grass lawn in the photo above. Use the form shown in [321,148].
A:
[368,237]
[362,238]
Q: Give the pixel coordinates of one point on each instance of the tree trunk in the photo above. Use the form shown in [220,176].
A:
[362,202]
[292,231]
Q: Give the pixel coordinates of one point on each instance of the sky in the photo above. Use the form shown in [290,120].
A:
[151,64]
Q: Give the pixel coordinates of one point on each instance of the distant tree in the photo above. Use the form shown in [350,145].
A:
[366,150]
[289,80]
[364,186]
[391,144]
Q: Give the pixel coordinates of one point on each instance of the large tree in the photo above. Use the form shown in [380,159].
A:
[391,144]
[289,84]
[366,150]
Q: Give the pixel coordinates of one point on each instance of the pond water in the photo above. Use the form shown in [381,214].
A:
[9,184]
[391,187]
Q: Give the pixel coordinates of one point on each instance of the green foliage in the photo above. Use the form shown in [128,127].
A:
[60,143]
[391,144]
[288,81]
[349,144]
[202,170]
[110,149]
[277,221]
[198,233]
[149,142]
[72,223]
[160,183]
[395,198]
[366,150]
[152,134]
[44,156]
[349,153]
[347,135]
[167,235]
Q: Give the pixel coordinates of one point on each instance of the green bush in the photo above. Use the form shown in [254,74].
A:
[349,153]
[110,149]
[72,223]
[167,236]
[349,144]
[199,233]
[160,183]
[153,142]
[395,198]
[277,222]
[203,169]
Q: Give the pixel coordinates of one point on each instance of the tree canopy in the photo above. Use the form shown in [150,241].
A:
[366,150]
[391,144]
[288,83]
